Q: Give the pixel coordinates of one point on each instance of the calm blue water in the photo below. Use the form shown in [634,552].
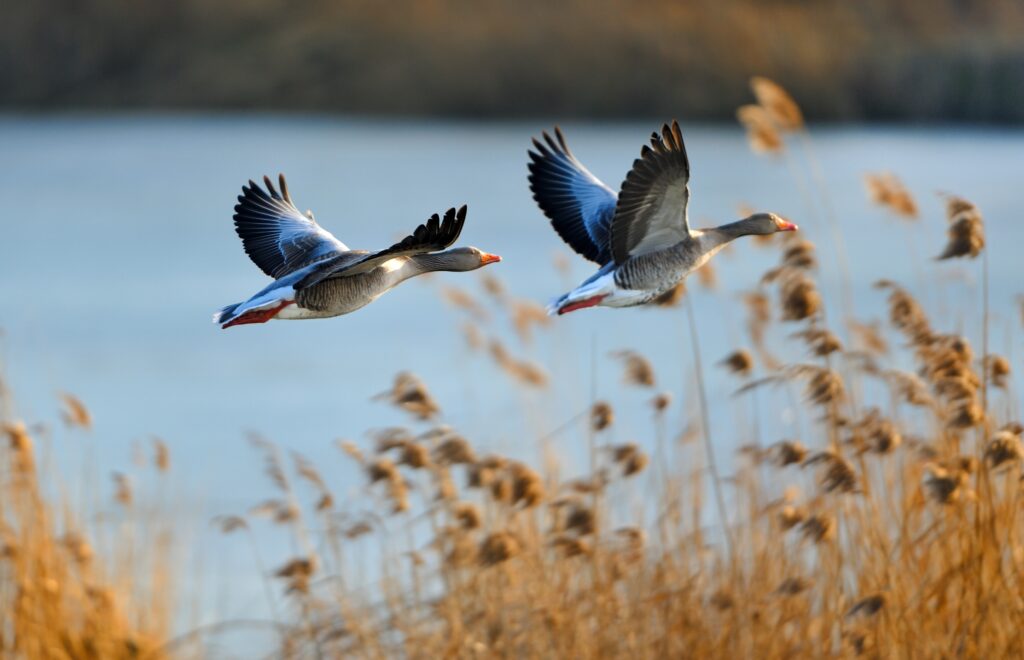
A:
[118,245]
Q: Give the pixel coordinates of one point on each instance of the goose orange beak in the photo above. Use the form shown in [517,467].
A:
[487,258]
[787,226]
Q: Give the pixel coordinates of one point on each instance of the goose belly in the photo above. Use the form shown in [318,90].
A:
[653,274]
[613,295]
[336,297]
[296,313]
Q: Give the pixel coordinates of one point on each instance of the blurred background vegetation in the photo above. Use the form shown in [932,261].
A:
[916,60]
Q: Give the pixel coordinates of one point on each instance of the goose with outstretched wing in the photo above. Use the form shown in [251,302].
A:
[640,238]
[318,276]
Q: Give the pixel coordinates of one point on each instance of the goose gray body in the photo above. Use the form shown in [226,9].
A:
[318,276]
[640,237]
[342,295]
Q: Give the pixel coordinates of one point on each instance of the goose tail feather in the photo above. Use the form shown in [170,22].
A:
[225,313]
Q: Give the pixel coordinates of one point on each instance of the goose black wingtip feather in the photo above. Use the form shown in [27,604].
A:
[665,158]
[274,194]
[436,233]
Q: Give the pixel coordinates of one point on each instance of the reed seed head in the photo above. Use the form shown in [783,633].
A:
[799,298]
[474,338]
[909,388]
[297,573]
[21,446]
[838,476]
[410,394]
[415,456]
[493,286]
[722,600]
[382,469]
[868,606]
[824,386]
[998,369]
[398,490]
[122,489]
[906,314]
[821,341]
[525,372]
[792,586]
[634,537]
[229,524]
[454,450]
[461,550]
[580,520]
[762,135]
[622,453]
[778,103]
[501,489]
[966,230]
[635,464]
[351,449]
[945,486]
[964,414]
[460,299]
[468,515]
[527,487]
[638,369]
[966,464]
[818,528]
[75,413]
[305,469]
[788,452]
[869,336]
[799,255]
[571,546]
[478,476]
[876,434]
[498,547]
[161,455]
[601,416]
[527,314]
[739,362]
[887,190]
[358,529]
[1004,447]
[78,547]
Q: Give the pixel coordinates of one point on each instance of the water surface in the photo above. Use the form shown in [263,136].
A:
[118,245]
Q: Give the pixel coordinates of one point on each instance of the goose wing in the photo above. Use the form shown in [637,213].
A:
[433,235]
[651,211]
[276,236]
[578,204]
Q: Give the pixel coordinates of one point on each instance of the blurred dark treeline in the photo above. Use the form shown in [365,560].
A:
[842,59]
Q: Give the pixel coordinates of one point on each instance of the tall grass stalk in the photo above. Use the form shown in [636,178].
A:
[705,416]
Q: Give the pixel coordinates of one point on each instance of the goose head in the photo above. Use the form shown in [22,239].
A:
[460,259]
[766,223]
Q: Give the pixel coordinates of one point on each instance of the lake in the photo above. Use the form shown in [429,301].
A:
[118,245]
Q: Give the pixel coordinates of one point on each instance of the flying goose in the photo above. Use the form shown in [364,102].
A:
[318,276]
[640,238]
